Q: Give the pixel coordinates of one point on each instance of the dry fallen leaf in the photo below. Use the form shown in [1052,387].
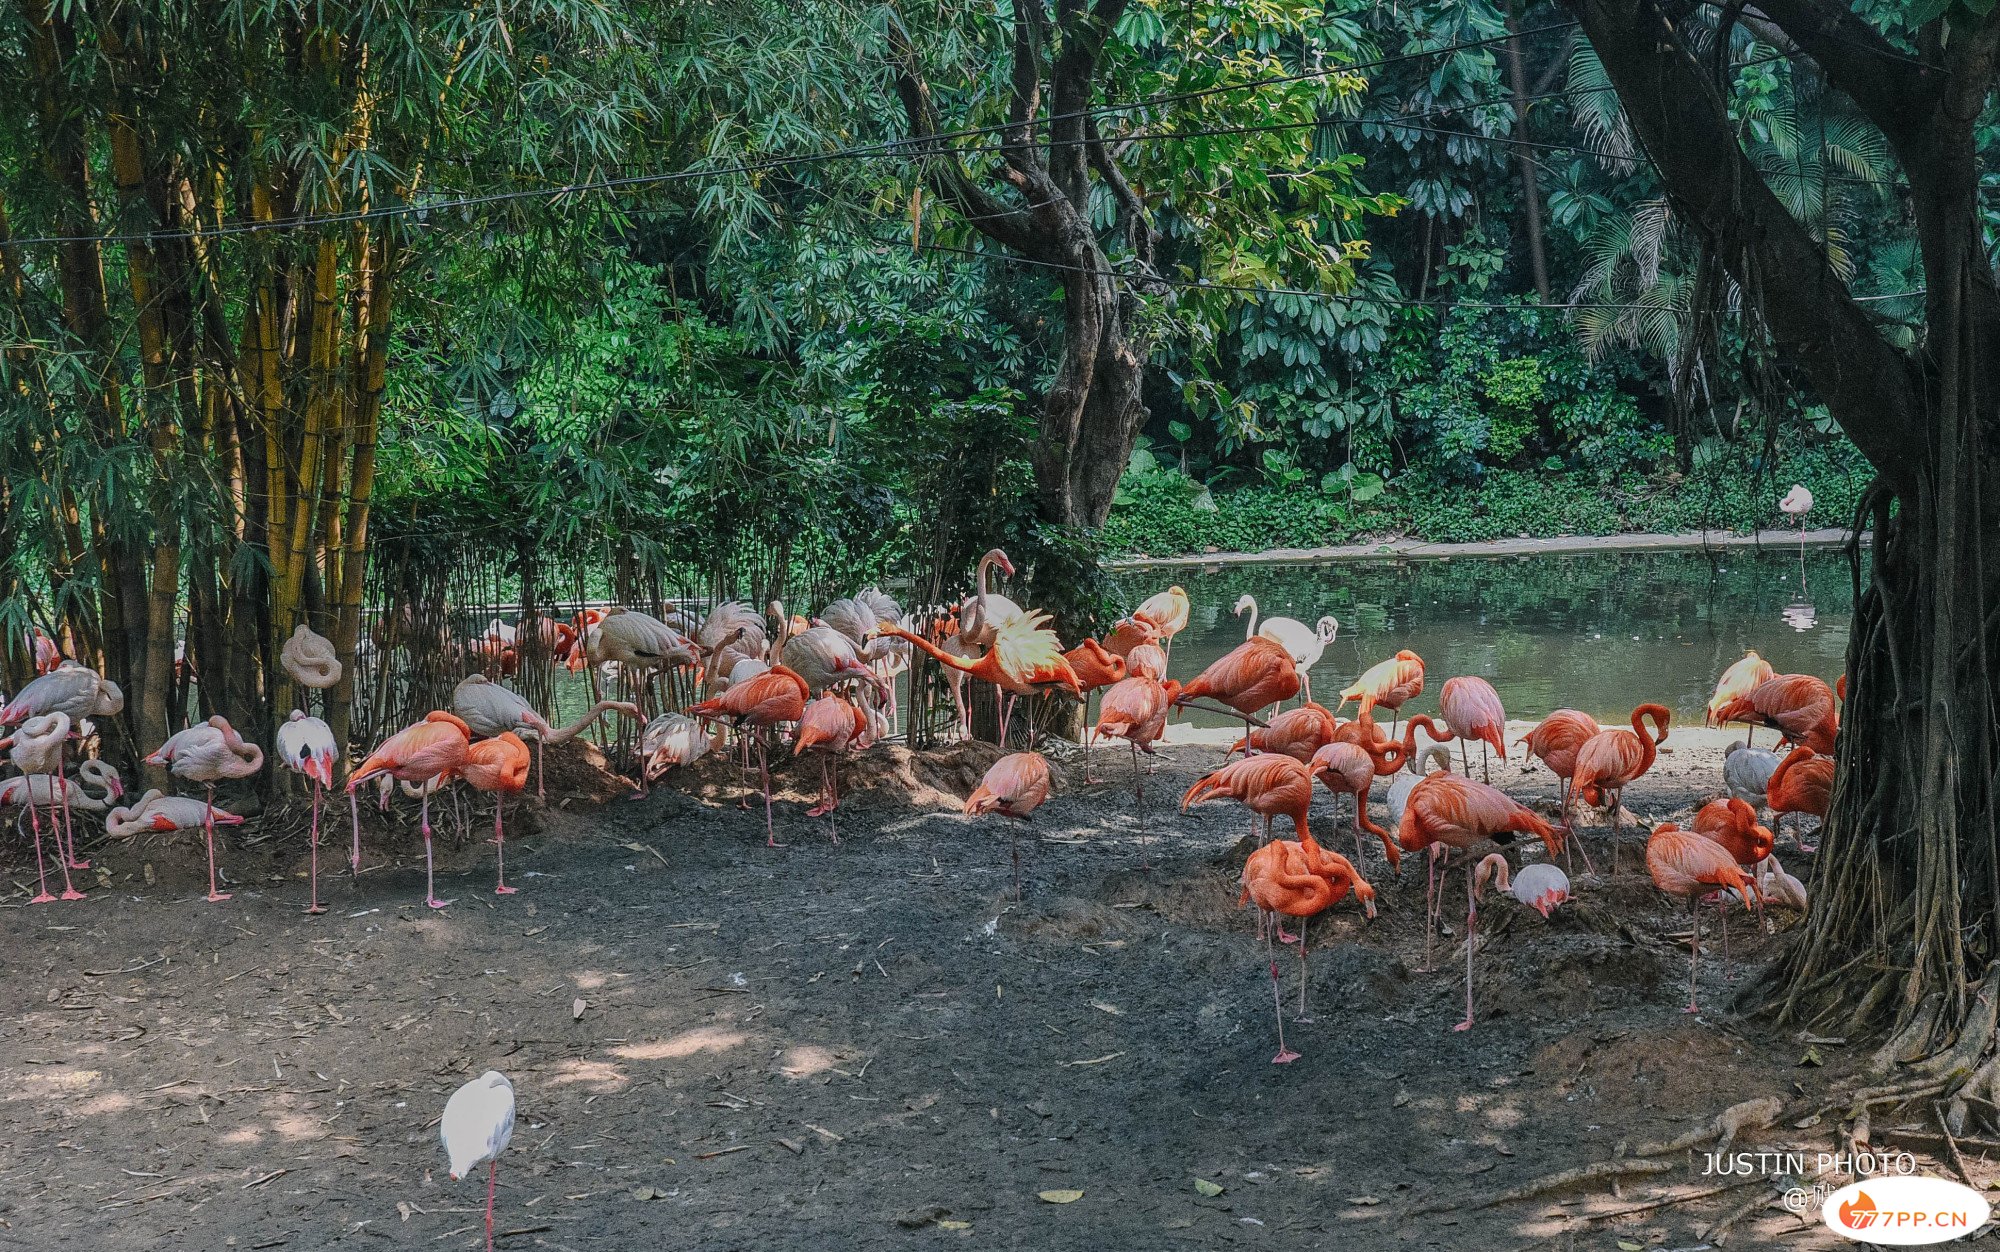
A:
[1625,1245]
[1060,1197]
[1364,1201]
[576,1008]
[645,1193]
[948,1224]
[1402,1098]
[403,1209]
[1207,1188]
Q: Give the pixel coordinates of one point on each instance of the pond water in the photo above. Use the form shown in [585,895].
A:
[1597,631]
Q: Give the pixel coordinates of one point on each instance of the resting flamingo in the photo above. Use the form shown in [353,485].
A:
[1802,784]
[36,747]
[1347,769]
[776,695]
[1297,879]
[1739,680]
[1135,710]
[92,791]
[499,767]
[310,659]
[433,749]
[490,710]
[1306,643]
[1129,633]
[1747,771]
[1610,760]
[1459,813]
[1556,740]
[1541,886]
[1254,675]
[1014,786]
[207,753]
[1095,668]
[1798,706]
[828,728]
[305,745]
[1472,708]
[1297,733]
[1147,661]
[1390,684]
[1691,866]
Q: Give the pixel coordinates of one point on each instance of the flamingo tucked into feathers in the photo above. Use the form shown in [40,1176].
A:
[1014,786]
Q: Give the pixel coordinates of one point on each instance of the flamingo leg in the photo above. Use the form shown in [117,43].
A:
[1471,942]
[318,793]
[540,793]
[492,1179]
[208,832]
[354,815]
[1722,910]
[1484,776]
[1139,802]
[41,868]
[1285,1055]
[1694,956]
[764,772]
[63,862]
[1304,922]
[67,824]
[1014,848]
[500,849]
[430,880]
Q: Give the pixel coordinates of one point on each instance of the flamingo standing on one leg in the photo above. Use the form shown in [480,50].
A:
[1347,769]
[498,766]
[36,748]
[434,748]
[776,695]
[310,659]
[1459,813]
[1692,866]
[1541,886]
[77,692]
[828,728]
[305,744]
[1014,786]
[1739,680]
[1472,708]
[477,1125]
[1095,668]
[1297,733]
[1556,740]
[1302,880]
[490,710]
[207,753]
[1252,676]
[1796,504]
[1610,760]
[1802,783]
[1135,710]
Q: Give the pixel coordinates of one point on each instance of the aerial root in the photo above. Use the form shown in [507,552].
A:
[1757,1114]
[1718,1231]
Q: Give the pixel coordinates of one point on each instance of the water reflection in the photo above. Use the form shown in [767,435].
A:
[1592,631]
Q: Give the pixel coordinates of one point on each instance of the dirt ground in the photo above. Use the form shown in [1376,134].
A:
[716,1045]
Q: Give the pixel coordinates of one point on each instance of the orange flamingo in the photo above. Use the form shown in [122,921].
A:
[1347,769]
[1733,824]
[1556,740]
[434,748]
[1450,811]
[1472,708]
[1135,710]
[1302,880]
[776,695]
[1130,633]
[1802,783]
[1297,733]
[1254,675]
[1609,760]
[1739,680]
[1014,786]
[829,726]
[1692,866]
[1095,667]
[1391,684]
[498,766]
[1025,659]
[1798,706]
[1268,785]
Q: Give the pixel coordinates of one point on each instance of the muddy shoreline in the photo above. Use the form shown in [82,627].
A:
[868,1045]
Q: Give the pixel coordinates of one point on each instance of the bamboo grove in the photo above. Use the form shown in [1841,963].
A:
[194,381]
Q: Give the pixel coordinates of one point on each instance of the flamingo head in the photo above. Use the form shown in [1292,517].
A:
[1366,894]
[1244,601]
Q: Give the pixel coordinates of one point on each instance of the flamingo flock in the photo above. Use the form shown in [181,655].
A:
[824,685]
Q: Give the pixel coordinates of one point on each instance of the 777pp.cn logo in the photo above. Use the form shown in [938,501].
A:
[1905,1212]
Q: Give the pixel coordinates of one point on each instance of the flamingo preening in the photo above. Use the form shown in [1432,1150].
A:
[1472,709]
[1167,612]
[1802,784]
[207,753]
[434,748]
[1014,786]
[1739,680]
[828,727]
[1610,760]
[1689,865]
[1798,706]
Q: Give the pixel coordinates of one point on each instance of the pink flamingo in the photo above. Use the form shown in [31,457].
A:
[209,752]
[1014,786]
[1472,708]
[499,767]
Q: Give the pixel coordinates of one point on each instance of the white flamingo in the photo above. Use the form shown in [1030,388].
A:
[305,744]
[478,1122]
[208,752]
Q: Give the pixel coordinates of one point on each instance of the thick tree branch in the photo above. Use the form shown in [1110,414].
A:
[1139,230]
[1869,387]
[1084,32]
[1897,94]
[1005,224]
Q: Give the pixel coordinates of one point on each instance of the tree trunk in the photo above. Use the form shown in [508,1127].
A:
[1531,191]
